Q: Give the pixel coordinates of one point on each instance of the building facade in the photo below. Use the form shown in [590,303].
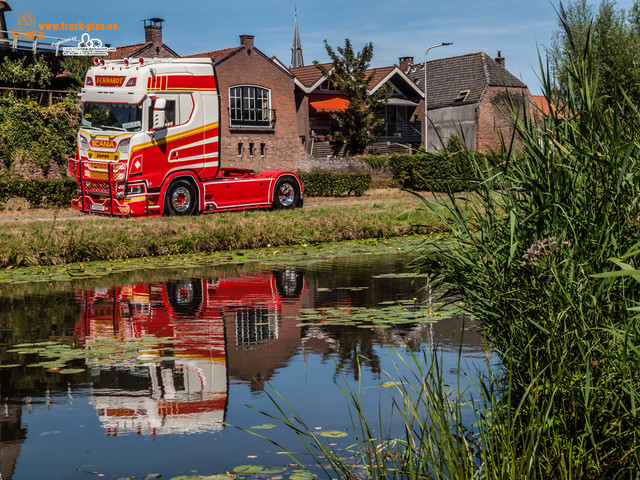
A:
[472,96]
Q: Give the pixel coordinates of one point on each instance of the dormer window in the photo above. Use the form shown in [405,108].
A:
[462,96]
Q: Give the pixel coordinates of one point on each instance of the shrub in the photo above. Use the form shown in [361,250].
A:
[40,193]
[434,172]
[329,184]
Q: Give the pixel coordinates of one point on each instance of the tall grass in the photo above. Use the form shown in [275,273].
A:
[524,258]
[546,256]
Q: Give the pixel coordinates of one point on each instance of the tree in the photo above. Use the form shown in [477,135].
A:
[614,52]
[26,73]
[358,125]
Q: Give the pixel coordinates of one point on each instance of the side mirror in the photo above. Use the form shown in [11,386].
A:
[159,116]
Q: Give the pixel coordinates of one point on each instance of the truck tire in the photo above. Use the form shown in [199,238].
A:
[289,283]
[181,198]
[286,193]
[184,296]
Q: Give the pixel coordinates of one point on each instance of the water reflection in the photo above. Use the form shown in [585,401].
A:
[187,394]
[232,331]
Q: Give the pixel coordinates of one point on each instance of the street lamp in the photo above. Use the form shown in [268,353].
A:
[426,122]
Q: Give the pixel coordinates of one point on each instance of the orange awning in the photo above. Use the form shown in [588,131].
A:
[328,104]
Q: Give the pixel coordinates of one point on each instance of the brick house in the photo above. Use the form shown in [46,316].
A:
[259,126]
[323,100]
[469,95]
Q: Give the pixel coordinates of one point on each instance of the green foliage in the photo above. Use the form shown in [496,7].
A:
[40,193]
[525,252]
[77,68]
[329,184]
[434,172]
[26,72]
[614,35]
[376,161]
[37,134]
[359,124]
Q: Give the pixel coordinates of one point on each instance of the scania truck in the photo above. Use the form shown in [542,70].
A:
[149,141]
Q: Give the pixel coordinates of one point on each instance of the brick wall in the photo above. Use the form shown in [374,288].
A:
[283,145]
[493,120]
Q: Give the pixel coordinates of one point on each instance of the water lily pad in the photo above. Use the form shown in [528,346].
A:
[264,426]
[70,371]
[333,434]
[302,476]
[10,365]
[248,469]
[223,476]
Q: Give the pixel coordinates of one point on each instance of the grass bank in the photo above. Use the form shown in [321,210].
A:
[62,240]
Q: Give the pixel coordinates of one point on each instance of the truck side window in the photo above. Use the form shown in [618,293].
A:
[170,113]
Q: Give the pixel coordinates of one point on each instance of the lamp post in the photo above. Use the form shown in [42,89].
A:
[426,121]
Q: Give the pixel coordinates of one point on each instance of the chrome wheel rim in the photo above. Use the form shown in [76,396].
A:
[286,194]
[181,199]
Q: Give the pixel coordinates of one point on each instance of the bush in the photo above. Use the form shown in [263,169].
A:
[39,134]
[40,193]
[434,172]
[329,184]
[376,162]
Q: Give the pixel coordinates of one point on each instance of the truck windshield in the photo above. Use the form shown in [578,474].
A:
[115,116]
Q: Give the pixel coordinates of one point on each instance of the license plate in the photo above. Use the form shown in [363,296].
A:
[98,208]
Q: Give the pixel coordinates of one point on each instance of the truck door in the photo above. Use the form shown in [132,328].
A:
[179,146]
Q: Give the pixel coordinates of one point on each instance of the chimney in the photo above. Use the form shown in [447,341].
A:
[405,63]
[246,41]
[500,59]
[153,30]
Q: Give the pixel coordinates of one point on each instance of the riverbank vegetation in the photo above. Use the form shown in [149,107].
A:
[55,241]
[546,256]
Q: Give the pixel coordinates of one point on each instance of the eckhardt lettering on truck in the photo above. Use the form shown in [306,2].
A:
[155,125]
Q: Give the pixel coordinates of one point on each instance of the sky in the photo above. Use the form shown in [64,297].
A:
[520,29]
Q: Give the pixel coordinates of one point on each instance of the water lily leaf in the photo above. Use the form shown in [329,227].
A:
[187,477]
[10,365]
[248,469]
[149,476]
[69,371]
[264,426]
[302,476]
[388,384]
[224,476]
[333,434]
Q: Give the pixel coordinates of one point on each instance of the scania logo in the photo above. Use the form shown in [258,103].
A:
[103,143]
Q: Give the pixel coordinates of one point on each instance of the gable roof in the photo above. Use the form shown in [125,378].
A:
[448,77]
[135,50]
[310,77]
[215,55]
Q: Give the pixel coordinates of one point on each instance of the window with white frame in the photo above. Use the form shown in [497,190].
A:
[249,106]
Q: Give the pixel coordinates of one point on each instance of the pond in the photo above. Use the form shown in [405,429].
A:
[123,378]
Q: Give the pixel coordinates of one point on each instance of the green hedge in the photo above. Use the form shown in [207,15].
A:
[59,192]
[435,172]
[40,193]
[329,184]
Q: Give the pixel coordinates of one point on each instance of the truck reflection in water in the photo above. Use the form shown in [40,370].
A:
[149,395]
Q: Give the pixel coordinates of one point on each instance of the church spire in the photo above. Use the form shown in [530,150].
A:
[296,49]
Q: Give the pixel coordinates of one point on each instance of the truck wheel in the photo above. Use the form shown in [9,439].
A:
[185,296]
[181,198]
[286,193]
[289,283]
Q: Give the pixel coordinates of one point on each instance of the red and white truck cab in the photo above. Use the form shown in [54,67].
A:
[149,145]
